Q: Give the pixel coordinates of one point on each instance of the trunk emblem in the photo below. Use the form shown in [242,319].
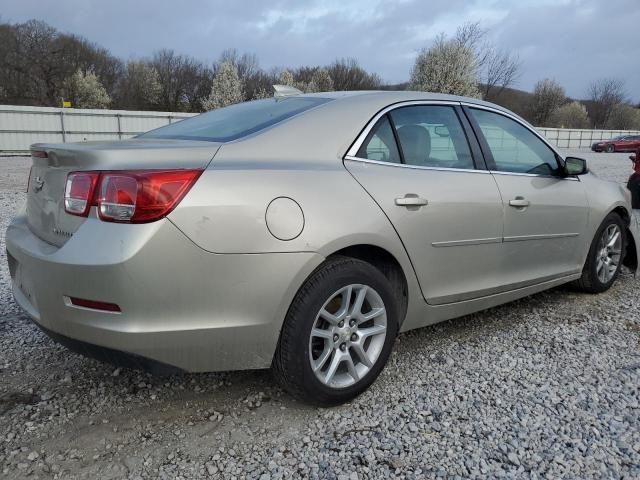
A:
[38,183]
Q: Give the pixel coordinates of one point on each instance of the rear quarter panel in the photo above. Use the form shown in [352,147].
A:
[225,212]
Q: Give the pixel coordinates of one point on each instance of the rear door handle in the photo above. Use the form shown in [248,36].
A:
[519,202]
[411,200]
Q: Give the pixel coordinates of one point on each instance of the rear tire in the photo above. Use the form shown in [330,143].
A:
[604,261]
[331,349]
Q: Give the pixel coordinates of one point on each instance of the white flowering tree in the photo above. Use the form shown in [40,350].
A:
[226,88]
[570,115]
[286,78]
[86,91]
[320,82]
[449,66]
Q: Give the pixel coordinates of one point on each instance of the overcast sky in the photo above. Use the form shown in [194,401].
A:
[573,41]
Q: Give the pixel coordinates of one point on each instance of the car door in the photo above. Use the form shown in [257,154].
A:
[545,213]
[416,162]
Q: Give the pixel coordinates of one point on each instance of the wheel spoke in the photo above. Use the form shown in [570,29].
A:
[370,315]
[333,366]
[357,305]
[371,331]
[322,359]
[613,238]
[346,301]
[320,333]
[329,317]
[351,368]
[362,355]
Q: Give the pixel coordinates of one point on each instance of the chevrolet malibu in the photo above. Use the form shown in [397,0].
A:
[304,232]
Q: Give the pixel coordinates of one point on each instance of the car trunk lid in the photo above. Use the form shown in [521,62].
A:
[51,163]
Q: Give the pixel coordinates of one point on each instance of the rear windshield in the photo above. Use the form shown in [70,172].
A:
[236,121]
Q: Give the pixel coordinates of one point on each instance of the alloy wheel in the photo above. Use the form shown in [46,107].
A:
[609,253]
[347,336]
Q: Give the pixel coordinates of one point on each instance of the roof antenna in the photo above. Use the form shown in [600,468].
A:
[281,91]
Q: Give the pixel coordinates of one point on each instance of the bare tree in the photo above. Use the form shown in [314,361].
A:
[497,68]
[140,87]
[570,115]
[184,81]
[548,95]
[604,95]
[348,75]
[624,117]
[448,66]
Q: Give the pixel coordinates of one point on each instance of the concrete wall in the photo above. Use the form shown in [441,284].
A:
[21,126]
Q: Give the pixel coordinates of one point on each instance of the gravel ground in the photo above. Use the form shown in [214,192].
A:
[545,387]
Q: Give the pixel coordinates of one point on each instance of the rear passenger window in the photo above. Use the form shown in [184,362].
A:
[432,136]
[380,145]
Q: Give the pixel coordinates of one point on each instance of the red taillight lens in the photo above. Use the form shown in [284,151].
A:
[138,196]
[142,196]
[78,192]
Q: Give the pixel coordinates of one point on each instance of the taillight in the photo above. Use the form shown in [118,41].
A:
[78,192]
[138,196]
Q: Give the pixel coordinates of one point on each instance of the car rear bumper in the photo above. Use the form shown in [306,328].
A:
[180,305]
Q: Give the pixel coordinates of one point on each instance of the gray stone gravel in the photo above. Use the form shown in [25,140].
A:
[546,387]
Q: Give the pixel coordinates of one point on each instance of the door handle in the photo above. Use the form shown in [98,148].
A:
[411,200]
[519,202]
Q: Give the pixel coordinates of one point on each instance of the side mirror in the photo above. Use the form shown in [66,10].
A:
[575,166]
[632,158]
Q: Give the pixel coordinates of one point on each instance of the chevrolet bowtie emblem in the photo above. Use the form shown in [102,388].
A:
[38,183]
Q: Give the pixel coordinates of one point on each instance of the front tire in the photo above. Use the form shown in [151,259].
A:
[338,333]
[604,261]
[611,148]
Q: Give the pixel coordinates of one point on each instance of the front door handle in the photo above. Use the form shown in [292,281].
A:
[519,202]
[411,200]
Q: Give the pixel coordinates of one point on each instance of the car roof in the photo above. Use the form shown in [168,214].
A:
[328,130]
[393,96]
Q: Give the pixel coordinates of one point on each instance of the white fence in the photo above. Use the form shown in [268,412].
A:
[576,138]
[22,126]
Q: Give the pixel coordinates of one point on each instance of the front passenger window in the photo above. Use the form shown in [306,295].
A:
[513,146]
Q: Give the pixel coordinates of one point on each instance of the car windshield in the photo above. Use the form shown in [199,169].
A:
[236,121]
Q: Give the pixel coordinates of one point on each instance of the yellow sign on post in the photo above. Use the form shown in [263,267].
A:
[66,104]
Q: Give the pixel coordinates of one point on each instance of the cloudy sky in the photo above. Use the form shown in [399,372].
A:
[573,41]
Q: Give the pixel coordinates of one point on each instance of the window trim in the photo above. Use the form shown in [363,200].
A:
[474,148]
[491,165]
[372,132]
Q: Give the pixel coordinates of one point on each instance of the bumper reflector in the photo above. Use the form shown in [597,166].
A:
[93,304]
